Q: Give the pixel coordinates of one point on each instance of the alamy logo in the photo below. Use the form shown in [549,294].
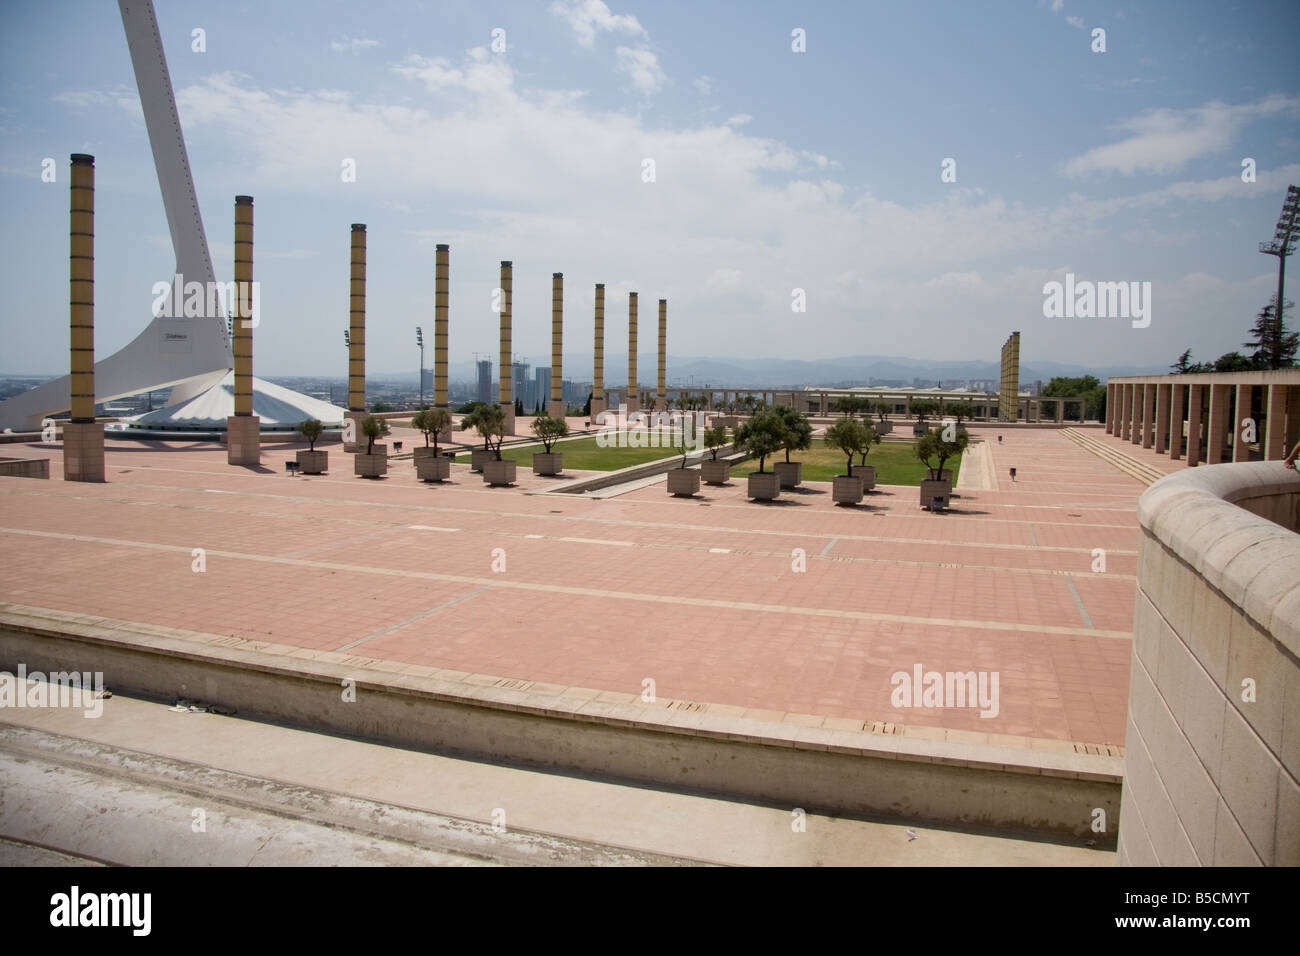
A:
[650,429]
[57,689]
[75,908]
[1084,299]
[923,688]
[179,299]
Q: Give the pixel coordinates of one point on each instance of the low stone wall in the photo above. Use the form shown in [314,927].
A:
[1213,745]
[581,730]
[25,467]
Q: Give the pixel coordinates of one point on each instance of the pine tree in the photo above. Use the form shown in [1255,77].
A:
[1272,346]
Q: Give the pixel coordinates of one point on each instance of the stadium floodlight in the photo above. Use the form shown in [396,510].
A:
[1284,242]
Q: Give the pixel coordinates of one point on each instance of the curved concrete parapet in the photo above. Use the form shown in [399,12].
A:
[1213,748]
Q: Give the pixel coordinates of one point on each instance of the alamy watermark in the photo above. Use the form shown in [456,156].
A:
[83,689]
[179,299]
[1084,299]
[922,688]
[651,429]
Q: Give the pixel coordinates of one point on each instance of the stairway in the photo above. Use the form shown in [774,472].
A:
[1126,463]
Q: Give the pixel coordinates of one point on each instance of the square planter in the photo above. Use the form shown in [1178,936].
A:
[429,468]
[764,486]
[683,482]
[932,488]
[313,462]
[846,489]
[548,463]
[370,466]
[477,457]
[790,473]
[423,452]
[867,473]
[499,472]
[716,472]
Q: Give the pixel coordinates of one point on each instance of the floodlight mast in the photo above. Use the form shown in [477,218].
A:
[1284,242]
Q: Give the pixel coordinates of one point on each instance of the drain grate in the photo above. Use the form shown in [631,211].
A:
[513,683]
[882,727]
[1101,750]
[685,705]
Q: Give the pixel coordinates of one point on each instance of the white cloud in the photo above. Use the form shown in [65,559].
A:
[1057,5]
[740,119]
[590,17]
[704,84]
[1076,22]
[641,66]
[1165,140]
[352,44]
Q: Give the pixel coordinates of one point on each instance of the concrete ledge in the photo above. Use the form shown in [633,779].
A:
[583,730]
[25,467]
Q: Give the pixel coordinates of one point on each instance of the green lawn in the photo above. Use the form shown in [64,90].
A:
[896,463]
[583,454]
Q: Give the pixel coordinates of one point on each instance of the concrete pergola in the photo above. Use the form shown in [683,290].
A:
[818,401]
[1208,417]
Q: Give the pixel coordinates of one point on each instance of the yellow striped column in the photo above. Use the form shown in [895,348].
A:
[243,446]
[83,437]
[440,325]
[556,407]
[357,341]
[598,404]
[505,376]
[661,395]
[633,393]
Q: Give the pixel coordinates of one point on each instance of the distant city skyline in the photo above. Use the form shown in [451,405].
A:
[780,178]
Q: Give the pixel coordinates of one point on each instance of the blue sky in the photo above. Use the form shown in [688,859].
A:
[774,170]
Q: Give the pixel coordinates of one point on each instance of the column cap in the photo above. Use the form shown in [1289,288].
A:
[506,262]
[600,285]
[443,247]
[83,159]
[243,200]
[358,227]
[557,275]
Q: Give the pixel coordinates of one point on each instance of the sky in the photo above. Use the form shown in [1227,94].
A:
[776,171]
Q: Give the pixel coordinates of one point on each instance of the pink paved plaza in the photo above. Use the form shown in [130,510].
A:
[701,595]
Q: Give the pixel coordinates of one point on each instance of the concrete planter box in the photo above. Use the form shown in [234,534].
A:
[499,472]
[932,488]
[548,463]
[846,489]
[716,472]
[477,457]
[765,486]
[867,473]
[683,482]
[945,475]
[371,466]
[313,462]
[426,451]
[790,473]
[429,468]
[884,428]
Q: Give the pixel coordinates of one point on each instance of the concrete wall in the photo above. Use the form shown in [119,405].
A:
[25,467]
[581,730]
[1213,747]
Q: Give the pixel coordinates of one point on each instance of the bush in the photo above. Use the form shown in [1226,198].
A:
[311,430]
[762,435]
[549,430]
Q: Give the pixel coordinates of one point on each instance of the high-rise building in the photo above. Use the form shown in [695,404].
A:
[542,390]
[522,387]
[485,392]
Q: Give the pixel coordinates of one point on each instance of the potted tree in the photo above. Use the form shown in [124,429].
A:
[549,430]
[683,482]
[850,436]
[864,471]
[882,410]
[429,465]
[475,419]
[798,437]
[491,424]
[374,463]
[715,472]
[934,451]
[311,461]
[759,437]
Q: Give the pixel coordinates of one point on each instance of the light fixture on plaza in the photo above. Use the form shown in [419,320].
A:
[1284,241]
[419,340]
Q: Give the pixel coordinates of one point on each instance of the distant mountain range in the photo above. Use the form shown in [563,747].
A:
[785,373]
